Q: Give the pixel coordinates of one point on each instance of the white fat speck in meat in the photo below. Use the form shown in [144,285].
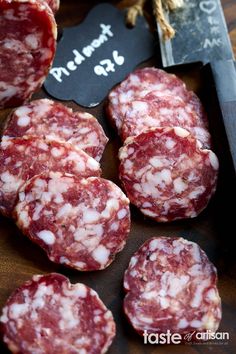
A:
[47,236]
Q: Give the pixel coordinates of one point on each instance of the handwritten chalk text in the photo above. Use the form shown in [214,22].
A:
[80,56]
[209,7]
[106,65]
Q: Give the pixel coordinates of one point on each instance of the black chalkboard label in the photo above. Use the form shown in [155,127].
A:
[97,54]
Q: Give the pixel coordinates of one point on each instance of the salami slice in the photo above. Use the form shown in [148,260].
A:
[22,158]
[54,120]
[166,111]
[171,285]
[167,175]
[142,82]
[53,4]
[192,105]
[27,46]
[49,315]
[82,223]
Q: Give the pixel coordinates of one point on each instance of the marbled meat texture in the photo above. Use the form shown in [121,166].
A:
[46,118]
[155,82]
[171,285]
[53,4]
[80,223]
[49,315]
[166,111]
[28,34]
[167,175]
[23,158]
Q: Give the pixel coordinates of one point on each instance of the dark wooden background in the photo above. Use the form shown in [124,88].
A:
[214,229]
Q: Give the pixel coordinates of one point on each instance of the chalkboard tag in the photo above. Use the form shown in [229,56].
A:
[97,54]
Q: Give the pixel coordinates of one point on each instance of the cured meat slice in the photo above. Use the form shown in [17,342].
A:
[53,4]
[142,82]
[82,223]
[167,175]
[166,111]
[171,285]
[192,105]
[49,315]
[45,117]
[22,158]
[28,35]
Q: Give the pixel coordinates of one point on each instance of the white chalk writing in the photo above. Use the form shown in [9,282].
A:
[208,6]
[212,20]
[212,43]
[214,40]
[81,56]
[215,30]
[105,66]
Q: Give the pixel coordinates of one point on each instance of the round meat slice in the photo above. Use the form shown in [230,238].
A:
[171,286]
[45,117]
[142,82]
[166,111]
[82,223]
[23,158]
[49,315]
[167,175]
[53,4]
[193,104]
[28,35]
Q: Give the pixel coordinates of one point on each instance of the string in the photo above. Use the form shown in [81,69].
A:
[138,9]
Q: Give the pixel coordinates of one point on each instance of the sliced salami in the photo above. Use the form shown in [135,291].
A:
[166,111]
[28,35]
[142,82]
[22,158]
[167,175]
[81,223]
[54,120]
[171,285]
[53,4]
[192,106]
[49,315]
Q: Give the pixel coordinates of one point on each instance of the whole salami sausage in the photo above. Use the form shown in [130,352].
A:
[22,158]
[81,223]
[49,315]
[28,35]
[167,175]
[171,285]
[46,118]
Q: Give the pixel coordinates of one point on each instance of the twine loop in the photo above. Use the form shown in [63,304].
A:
[158,5]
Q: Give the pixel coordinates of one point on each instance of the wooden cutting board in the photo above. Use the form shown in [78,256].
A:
[213,230]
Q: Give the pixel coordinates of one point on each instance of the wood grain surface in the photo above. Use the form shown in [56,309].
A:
[213,230]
